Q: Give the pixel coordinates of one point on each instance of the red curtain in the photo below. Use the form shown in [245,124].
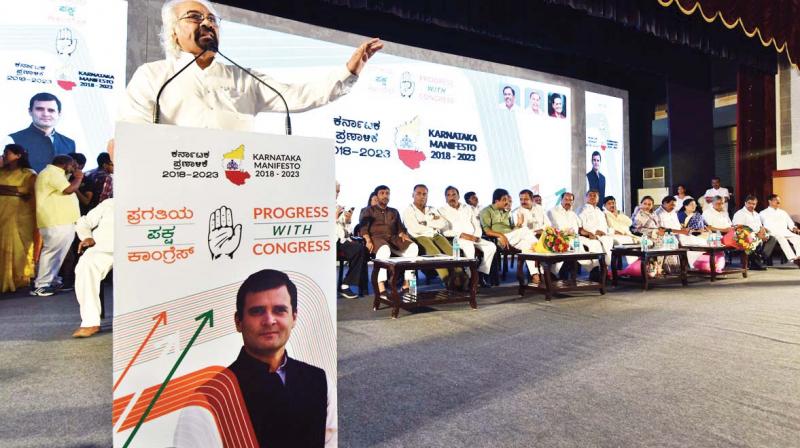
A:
[755,143]
[778,19]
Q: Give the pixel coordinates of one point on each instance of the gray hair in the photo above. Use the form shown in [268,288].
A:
[169,20]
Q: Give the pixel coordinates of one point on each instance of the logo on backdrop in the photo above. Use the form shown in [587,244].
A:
[233,162]
[224,236]
[407,84]
[66,44]
[406,139]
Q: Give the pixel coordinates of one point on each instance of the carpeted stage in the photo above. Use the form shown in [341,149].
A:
[704,366]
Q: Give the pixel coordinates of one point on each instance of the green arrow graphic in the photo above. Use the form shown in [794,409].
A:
[207,317]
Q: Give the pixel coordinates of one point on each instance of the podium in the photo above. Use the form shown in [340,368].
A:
[196,212]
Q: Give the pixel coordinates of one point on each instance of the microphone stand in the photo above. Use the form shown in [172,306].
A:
[157,110]
[286,106]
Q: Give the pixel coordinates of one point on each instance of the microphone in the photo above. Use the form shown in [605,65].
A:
[213,46]
[157,110]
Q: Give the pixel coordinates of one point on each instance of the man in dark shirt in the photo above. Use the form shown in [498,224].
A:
[287,399]
[594,179]
[40,139]
[94,180]
[385,234]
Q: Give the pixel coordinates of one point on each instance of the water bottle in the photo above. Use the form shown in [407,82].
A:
[576,244]
[645,242]
[710,240]
[412,286]
[669,241]
[717,239]
[456,249]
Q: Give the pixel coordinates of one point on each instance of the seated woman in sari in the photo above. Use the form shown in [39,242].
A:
[644,222]
[17,219]
[690,218]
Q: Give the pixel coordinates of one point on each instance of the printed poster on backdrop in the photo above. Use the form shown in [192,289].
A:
[198,211]
[605,146]
[73,49]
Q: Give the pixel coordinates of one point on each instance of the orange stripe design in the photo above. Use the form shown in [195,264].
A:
[213,388]
[119,407]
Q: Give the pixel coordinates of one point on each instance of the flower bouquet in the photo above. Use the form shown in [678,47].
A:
[553,240]
[741,237]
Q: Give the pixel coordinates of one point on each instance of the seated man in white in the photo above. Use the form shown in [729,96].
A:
[530,214]
[596,235]
[96,232]
[461,223]
[748,216]
[424,224]
[717,216]
[566,220]
[619,224]
[667,218]
[780,225]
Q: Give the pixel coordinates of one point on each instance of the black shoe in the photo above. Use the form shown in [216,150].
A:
[348,293]
[756,267]
[65,288]
[484,281]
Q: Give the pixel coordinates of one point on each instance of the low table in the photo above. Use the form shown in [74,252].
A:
[549,286]
[618,252]
[712,251]
[396,267]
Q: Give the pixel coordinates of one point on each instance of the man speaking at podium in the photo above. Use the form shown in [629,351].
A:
[210,94]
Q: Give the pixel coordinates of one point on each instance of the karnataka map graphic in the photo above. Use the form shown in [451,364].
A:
[233,162]
[406,137]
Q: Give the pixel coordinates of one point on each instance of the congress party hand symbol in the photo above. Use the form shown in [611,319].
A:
[223,236]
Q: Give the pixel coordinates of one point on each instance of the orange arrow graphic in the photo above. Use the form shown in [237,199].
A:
[160,318]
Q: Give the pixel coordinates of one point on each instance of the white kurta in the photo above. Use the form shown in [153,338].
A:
[563,219]
[745,218]
[594,220]
[413,219]
[220,96]
[533,218]
[779,225]
[462,220]
[669,220]
[710,193]
[95,264]
[716,219]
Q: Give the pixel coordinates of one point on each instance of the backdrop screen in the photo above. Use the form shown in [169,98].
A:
[605,143]
[74,50]
[409,121]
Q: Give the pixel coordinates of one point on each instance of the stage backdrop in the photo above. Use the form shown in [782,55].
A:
[74,49]
[410,121]
[202,211]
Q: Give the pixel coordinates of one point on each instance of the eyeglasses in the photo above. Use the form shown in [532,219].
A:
[199,17]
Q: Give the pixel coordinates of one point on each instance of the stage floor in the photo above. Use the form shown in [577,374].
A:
[705,365]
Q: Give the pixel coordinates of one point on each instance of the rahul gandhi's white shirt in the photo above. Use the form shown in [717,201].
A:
[220,96]
[777,221]
[594,219]
[749,219]
[564,219]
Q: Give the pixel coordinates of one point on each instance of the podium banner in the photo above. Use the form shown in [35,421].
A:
[197,212]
